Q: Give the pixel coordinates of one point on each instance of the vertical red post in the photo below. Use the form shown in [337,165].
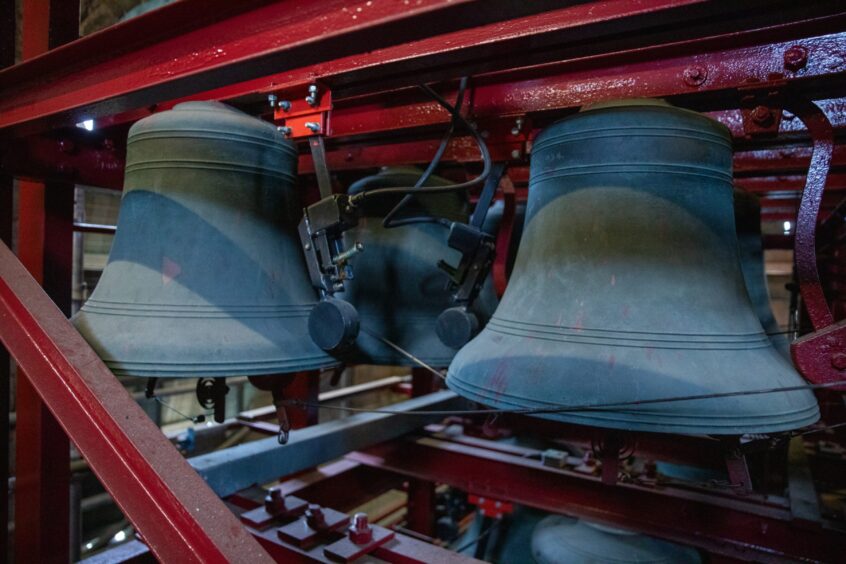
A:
[7,58]
[45,247]
[305,386]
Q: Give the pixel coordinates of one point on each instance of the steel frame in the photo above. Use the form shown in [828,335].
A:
[533,60]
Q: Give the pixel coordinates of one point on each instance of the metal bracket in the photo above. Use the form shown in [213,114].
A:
[819,356]
[477,248]
[761,110]
[302,111]
[321,236]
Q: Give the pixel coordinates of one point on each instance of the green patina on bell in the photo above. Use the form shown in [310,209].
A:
[627,286]
[563,540]
[205,275]
[398,289]
[747,218]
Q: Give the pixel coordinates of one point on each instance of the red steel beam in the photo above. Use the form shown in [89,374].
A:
[179,516]
[42,475]
[724,525]
[135,64]
[351,44]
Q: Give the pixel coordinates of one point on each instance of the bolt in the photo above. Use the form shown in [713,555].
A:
[284,105]
[274,502]
[348,254]
[307,246]
[762,116]
[795,58]
[838,361]
[360,530]
[286,131]
[515,154]
[695,75]
[109,144]
[315,127]
[315,517]
[271,99]
[518,125]
[311,99]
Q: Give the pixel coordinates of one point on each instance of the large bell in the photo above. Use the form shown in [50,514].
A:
[398,289]
[627,286]
[747,218]
[563,540]
[205,275]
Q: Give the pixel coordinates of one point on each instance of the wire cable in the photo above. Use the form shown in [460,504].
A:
[388,220]
[483,149]
[575,408]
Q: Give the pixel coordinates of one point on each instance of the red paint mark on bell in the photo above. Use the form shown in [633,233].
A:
[498,380]
[612,360]
[627,311]
[170,271]
[613,280]
[579,324]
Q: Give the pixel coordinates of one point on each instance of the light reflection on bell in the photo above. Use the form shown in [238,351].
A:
[205,275]
[627,286]
[398,289]
[747,217]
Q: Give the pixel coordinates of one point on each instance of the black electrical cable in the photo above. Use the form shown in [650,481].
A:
[483,149]
[388,221]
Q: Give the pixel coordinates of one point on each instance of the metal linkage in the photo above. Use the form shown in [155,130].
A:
[179,516]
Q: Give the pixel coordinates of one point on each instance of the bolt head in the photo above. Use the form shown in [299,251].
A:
[762,116]
[314,516]
[695,75]
[360,531]
[838,361]
[274,502]
[515,154]
[795,58]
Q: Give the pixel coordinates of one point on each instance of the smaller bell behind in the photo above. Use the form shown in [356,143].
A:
[398,289]
[564,540]
[747,219]
[205,276]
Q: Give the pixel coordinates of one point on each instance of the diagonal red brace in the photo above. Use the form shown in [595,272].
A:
[179,516]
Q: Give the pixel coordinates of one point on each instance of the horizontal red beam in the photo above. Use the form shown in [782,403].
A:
[351,45]
[116,70]
[722,524]
[180,517]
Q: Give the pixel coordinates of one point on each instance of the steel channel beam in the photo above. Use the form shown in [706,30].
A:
[730,527]
[352,43]
[180,518]
[151,58]
[242,466]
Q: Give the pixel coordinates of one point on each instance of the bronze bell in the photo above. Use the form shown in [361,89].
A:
[627,286]
[205,275]
[747,219]
[558,539]
[398,289]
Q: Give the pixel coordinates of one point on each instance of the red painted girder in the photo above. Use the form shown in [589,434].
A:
[180,517]
[722,524]
[784,160]
[334,41]
[795,183]
[117,70]
[647,72]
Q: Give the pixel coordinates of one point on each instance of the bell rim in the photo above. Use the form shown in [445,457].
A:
[640,422]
